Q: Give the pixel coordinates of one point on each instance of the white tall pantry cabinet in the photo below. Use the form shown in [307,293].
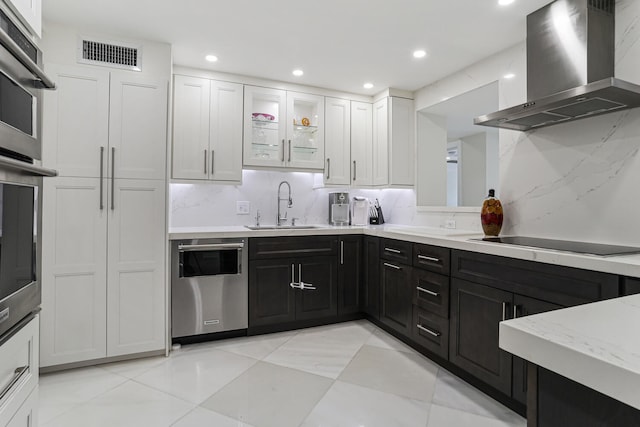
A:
[104,219]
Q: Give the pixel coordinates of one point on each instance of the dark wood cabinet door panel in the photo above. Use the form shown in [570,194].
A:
[296,246]
[271,298]
[320,273]
[476,311]
[430,331]
[371,277]
[432,258]
[561,285]
[395,296]
[349,274]
[396,251]
[630,286]
[431,291]
[525,306]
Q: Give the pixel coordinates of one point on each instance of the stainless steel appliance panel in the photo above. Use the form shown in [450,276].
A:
[209,286]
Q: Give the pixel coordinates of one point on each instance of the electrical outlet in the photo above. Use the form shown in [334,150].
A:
[450,223]
[243,208]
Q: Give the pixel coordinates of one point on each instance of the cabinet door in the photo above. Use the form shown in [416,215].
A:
[396,310]
[322,274]
[30,13]
[337,145]
[371,280]
[137,127]
[349,274]
[190,127]
[305,138]
[74,275]
[476,311]
[361,143]
[225,132]
[402,153]
[76,121]
[271,297]
[380,172]
[27,415]
[136,270]
[525,306]
[264,127]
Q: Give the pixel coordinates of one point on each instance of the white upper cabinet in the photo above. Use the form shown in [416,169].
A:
[305,131]
[283,129]
[137,127]
[361,144]
[380,144]
[30,13]
[402,152]
[207,129]
[337,146]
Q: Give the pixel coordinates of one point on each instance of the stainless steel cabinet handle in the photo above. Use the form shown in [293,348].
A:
[289,160]
[354,170]
[429,331]
[212,160]
[307,286]
[392,266]
[328,168]
[101,178]
[283,150]
[427,291]
[293,283]
[113,177]
[428,258]
[515,311]
[17,374]
[504,311]
[393,251]
[205,162]
[341,252]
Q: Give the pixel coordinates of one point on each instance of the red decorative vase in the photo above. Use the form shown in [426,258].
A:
[491,215]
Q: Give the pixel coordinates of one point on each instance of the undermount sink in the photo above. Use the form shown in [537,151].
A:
[431,231]
[281,227]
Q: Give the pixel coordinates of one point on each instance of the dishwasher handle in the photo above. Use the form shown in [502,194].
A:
[210,247]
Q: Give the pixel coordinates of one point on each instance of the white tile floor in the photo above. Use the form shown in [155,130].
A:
[345,375]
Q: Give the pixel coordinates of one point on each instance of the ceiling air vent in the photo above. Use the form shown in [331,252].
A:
[117,55]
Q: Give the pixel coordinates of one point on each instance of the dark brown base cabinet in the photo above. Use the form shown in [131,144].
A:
[395,295]
[371,277]
[350,274]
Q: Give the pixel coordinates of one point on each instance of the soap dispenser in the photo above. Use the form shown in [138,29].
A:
[491,215]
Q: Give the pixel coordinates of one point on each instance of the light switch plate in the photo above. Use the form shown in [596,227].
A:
[243,208]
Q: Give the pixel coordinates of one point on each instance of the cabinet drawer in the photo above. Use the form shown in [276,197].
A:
[431,292]
[396,250]
[560,285]
[282,247]
[432,258]
[430,331]
[18,369]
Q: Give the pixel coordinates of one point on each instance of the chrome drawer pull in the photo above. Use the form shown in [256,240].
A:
[427,291]
[17,374]
[428,258]
[392,266]
[429,331]
[393,251]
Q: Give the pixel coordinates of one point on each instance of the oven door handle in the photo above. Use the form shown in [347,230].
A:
[26,167]
[17,374]
[42,80]
[210,247]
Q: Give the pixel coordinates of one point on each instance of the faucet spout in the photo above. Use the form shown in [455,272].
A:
[280,219]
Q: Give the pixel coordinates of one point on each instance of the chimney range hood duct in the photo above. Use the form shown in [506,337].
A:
[570,67]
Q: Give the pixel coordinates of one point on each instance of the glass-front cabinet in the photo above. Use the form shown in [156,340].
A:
[283,129]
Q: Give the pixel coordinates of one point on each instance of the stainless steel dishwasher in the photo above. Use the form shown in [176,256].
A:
[209,288]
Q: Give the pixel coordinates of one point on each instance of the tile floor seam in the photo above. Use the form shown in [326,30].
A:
[317,403]
[164,392]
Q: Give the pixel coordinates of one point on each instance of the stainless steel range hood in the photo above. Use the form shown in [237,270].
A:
[570,68]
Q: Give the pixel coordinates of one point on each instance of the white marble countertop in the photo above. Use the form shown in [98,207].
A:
[626,265]
[593,344]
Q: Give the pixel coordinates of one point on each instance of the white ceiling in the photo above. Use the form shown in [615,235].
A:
[339,44]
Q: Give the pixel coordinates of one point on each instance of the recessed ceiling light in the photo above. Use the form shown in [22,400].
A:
[211,58]
[367,85]
[419,54]
[505,2]
[509,76]
[298,73]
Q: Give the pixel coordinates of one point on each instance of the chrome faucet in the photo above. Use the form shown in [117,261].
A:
[281,219]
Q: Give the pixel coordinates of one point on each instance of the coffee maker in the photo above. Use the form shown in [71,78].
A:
[339,208]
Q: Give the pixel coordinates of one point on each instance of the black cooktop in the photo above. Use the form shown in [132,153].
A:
[565,245]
